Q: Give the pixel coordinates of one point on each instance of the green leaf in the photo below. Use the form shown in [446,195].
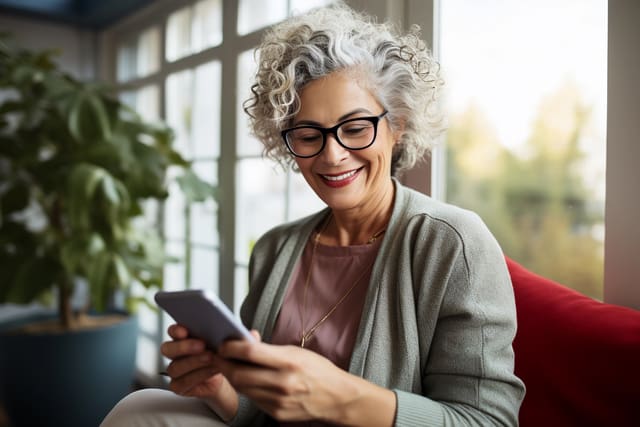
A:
[147,179]
[15,199]
[79,250]
[98,277]
[110,190]
[83,182]
[194,188]
[73,121]
[34,278]
[88,119]
[122,274]
[98,113]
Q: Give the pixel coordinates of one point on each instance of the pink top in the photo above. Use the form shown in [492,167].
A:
[335,269]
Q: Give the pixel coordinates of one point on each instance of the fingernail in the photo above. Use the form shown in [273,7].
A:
[197,346]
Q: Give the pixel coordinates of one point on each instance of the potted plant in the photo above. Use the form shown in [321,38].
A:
[77,167]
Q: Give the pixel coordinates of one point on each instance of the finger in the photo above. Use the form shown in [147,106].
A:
[184,384]
[184,365]
[177,332]
[182,348]
[256,335]
[273,356]
[246,376]
[279,403]
[269,401]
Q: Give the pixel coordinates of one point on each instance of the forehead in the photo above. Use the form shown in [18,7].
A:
[331,97]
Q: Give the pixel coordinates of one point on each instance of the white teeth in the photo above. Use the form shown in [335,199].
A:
[340,177]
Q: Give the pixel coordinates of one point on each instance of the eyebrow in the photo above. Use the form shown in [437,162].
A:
[341,118]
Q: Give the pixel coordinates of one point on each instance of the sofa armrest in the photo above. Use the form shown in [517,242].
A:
[578,357]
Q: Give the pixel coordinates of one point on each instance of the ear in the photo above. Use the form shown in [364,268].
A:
[398,131]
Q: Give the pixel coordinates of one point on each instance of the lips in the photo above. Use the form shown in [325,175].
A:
[342,179]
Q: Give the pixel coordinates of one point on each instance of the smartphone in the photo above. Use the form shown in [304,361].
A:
[204,315]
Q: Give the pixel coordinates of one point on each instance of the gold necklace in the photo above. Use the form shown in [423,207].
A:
[305,335]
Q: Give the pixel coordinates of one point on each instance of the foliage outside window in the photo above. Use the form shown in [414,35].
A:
[525,148]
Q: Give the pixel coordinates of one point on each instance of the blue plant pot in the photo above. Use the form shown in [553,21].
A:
[67,379]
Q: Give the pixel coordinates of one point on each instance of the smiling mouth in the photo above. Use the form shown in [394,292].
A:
[342,176]
[342,179]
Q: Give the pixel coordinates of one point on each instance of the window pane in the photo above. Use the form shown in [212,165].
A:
[147,356]
[145,101]
[148,319]
[193,29]
[139,56]
[206,110]
[174,214]
[179,109]
[241,287]
[207,170]
[204,216]
[193,110]
[178,34]
[148,103]
[246,145]
[526,139]
[260,203]
[126,62]
[204,268]
[256,14]
[148,55]
[206,30]
[174,271]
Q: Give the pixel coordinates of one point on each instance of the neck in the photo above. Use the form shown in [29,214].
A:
[360,226]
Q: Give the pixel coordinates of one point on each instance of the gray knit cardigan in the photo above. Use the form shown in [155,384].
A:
[438,320]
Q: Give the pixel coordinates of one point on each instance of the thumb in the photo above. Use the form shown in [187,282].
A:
[256,335]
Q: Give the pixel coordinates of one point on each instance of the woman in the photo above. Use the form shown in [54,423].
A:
[386,308]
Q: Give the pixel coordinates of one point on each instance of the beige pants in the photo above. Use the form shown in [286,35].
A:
[160,408]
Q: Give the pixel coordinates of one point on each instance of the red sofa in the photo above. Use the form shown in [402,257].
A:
[579,358]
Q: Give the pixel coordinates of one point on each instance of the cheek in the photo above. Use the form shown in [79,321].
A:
[305,166]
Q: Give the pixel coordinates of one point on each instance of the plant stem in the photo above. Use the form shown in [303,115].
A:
[64,302]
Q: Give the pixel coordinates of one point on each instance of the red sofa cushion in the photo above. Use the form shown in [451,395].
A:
[579,358]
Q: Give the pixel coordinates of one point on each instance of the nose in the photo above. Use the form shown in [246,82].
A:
[333,152]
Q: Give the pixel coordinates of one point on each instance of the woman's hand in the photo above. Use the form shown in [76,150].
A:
[295,384]
[194,372]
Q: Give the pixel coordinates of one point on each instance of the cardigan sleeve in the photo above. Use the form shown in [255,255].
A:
[464,288]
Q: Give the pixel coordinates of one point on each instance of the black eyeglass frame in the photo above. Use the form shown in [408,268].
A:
[334,130]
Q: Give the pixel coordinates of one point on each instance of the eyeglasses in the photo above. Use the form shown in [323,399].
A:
[353,134]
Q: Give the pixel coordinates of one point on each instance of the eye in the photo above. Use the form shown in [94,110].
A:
[306,136]
[356,128]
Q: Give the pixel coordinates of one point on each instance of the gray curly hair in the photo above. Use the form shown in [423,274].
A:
[398,69]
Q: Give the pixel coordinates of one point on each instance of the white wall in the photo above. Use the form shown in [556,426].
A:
[622,238]
[78,47]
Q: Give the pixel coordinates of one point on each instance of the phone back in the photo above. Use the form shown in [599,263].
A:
[204,315]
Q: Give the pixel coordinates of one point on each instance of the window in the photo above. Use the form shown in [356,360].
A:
[188,70]
[139,56]
[194,28]
[526,99]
